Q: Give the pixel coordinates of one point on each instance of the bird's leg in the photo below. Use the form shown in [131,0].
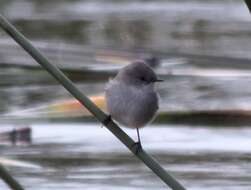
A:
[137,145]
[138,136]
[107,120]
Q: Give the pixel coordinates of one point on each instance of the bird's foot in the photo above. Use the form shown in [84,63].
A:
[137,147]
[107,120]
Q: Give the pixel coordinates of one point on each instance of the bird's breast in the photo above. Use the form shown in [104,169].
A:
[131,106]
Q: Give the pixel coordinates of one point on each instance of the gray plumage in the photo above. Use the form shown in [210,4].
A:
[131,98]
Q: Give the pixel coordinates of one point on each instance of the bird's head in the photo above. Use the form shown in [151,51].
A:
[137,73]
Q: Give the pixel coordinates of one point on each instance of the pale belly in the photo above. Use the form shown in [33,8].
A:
[131,107]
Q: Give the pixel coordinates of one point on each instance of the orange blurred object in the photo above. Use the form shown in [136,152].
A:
[74,107]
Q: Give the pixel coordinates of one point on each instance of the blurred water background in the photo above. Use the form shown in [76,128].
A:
[204,48]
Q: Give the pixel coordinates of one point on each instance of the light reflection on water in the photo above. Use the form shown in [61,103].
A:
[88,156]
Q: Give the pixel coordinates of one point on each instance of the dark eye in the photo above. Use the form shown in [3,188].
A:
[142,78]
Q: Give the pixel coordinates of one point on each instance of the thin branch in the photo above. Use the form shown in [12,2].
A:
[9,180]
[248,2]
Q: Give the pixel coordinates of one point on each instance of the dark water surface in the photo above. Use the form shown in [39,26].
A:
[204,48]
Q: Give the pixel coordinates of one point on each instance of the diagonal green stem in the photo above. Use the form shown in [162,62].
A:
[12,183]
[248,2]
[99,114]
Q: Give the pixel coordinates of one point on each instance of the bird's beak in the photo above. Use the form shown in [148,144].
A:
[159,80]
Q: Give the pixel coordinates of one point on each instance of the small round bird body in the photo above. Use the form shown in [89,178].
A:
[131,106]
[131,98]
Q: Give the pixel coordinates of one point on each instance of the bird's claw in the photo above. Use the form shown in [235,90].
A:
[107,120]
[137,147]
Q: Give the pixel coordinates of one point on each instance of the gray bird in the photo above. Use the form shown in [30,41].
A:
[131,98]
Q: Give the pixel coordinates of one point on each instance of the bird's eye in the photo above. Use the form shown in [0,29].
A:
[142,78]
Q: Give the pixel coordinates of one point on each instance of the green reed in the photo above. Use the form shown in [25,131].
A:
[248,2]
[9,180]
